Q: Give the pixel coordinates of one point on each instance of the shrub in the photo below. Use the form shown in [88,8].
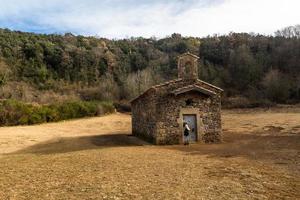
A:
[13,112]
[122,106]
[243,102]
[277,86]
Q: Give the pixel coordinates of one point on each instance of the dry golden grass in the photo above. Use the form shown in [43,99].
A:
[96,158]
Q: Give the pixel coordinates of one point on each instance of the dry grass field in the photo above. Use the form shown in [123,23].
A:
[96,158]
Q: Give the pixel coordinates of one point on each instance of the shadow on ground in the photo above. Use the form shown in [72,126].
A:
[70,144]
[280,149]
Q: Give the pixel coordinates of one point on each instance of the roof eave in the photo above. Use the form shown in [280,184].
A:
[142,94]
[188,53]
[213,86]
[194,88]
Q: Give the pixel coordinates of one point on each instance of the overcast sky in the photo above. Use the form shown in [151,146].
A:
[147,18]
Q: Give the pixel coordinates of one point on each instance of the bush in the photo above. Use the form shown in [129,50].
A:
[277,86]
[13,112]
[122,107]
[243,102]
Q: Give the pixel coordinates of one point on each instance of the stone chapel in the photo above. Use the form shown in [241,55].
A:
[159,112]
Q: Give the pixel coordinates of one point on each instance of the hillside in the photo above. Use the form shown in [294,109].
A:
[253,69]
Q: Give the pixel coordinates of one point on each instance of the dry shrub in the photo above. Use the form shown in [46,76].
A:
[138,82]
[243,102]
[91,93]
[24,92]
[106,90]
[18,90]
[48,97]
[277,86]
[5,73]
[122,106]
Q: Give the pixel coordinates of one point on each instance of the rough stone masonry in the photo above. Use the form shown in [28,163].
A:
[158,113]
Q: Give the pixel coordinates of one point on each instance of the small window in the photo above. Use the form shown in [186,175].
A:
[188,102]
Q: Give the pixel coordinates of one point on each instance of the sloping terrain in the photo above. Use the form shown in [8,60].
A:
[96,158]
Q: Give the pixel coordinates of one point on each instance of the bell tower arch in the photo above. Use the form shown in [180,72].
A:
[188,66]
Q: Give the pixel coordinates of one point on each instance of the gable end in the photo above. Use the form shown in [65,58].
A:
[193,88]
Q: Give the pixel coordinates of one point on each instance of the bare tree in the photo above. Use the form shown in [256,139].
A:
[289,32]
[138,82]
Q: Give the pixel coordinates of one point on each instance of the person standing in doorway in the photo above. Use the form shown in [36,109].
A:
[186,133]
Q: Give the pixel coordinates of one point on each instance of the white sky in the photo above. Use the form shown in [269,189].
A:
[126,18]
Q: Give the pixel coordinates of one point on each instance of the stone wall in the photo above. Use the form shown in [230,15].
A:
[207,108]
[187,67]
[143,117]
[157,114]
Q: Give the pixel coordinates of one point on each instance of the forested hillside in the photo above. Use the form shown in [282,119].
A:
[252,69]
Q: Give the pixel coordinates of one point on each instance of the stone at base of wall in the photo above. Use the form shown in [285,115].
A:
[143,136]
[167,141]
[212,137]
